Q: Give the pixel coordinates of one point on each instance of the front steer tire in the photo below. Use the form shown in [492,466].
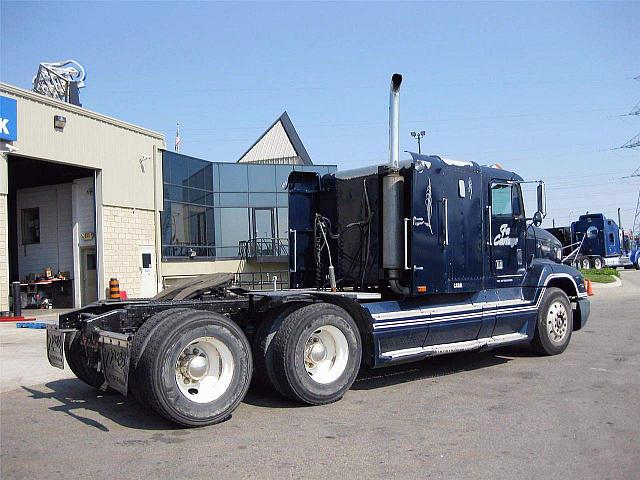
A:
[228,372]
[554,323]
[322,322]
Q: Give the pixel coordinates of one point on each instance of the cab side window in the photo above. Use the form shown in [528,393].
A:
[506,200]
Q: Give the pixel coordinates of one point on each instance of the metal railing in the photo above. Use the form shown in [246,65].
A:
[264,247]
[276,280]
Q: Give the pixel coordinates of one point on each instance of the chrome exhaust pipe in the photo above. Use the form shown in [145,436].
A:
[394,121]
[392,197]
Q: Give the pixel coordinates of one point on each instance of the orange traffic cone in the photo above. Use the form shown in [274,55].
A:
[589,288]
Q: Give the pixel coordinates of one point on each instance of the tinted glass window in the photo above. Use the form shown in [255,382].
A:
[262,178]
[202,177]
[235,222]
[283,223]
[181,169]
[233,178]
[262,199]
[233,200]
[282,175]
[501,203]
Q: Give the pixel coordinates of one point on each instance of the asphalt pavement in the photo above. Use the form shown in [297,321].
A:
[503,414]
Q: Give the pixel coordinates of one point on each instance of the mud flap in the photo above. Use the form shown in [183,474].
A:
[55,346]
[115,357]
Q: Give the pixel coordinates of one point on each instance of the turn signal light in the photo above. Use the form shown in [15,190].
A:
[422,289]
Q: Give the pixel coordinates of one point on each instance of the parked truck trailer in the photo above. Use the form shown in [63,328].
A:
[388,264]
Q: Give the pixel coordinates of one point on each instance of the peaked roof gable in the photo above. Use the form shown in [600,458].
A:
[279,141]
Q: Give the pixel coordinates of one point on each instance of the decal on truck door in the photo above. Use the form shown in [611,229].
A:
[504,238]
[428,203]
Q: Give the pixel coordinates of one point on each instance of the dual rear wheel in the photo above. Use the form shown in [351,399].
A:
[194,367]
[310,353]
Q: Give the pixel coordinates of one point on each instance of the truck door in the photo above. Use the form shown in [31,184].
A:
[507,228]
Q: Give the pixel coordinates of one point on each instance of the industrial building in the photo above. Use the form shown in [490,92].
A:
[85,198]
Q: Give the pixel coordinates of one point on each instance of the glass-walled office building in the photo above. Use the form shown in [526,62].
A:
[218,210]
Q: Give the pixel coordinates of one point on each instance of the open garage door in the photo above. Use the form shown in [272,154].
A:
[52,232]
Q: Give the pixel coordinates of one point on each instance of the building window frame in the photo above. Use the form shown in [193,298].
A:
[30,223]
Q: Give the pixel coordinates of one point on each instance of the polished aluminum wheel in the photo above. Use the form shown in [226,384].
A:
[204,370]
[326,353]
[557,322]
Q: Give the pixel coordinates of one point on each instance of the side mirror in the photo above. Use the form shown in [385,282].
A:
[542,199]
[537,218]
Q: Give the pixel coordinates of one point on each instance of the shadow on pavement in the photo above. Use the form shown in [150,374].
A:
[74,397]
[438,366]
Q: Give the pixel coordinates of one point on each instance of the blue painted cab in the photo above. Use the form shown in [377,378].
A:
[475,267]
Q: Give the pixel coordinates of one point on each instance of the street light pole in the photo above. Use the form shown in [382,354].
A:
[418,136]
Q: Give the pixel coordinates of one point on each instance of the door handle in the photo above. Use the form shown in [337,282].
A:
[295,250]
[445,202]
[489,225]
[406,243]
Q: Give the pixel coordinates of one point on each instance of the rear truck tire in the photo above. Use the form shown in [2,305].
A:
[637,263]
[77,359]
[139,343]
[598,263]
[316,354]
[195,369]
[584,263]
[264,377]
[554,323]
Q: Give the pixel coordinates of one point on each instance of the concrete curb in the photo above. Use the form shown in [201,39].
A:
[617,283]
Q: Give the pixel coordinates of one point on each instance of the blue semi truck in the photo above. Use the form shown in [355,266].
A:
[595,241]
[388,264]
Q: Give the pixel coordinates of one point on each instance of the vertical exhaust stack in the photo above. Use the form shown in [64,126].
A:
[392,197]
[394,121]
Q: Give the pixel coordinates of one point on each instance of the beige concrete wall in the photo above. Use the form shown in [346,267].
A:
[125,153]
[4,255]
[124,231]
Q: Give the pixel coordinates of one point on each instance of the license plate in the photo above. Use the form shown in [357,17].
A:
[55,346]
[115,363]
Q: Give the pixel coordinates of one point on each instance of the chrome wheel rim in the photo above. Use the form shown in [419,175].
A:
[326,353]
[597,264]
[204,370]
[557,322]
[585,264]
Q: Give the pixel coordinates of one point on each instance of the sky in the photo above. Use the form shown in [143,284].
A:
[540,88]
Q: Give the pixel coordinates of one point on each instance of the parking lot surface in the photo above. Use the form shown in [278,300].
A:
[501,414]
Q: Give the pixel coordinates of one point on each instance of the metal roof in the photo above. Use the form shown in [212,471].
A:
[280,143]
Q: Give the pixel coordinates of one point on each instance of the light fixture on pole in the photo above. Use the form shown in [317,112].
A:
[418,136]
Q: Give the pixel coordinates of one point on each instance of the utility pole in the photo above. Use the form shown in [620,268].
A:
[418,136]
[636,216]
